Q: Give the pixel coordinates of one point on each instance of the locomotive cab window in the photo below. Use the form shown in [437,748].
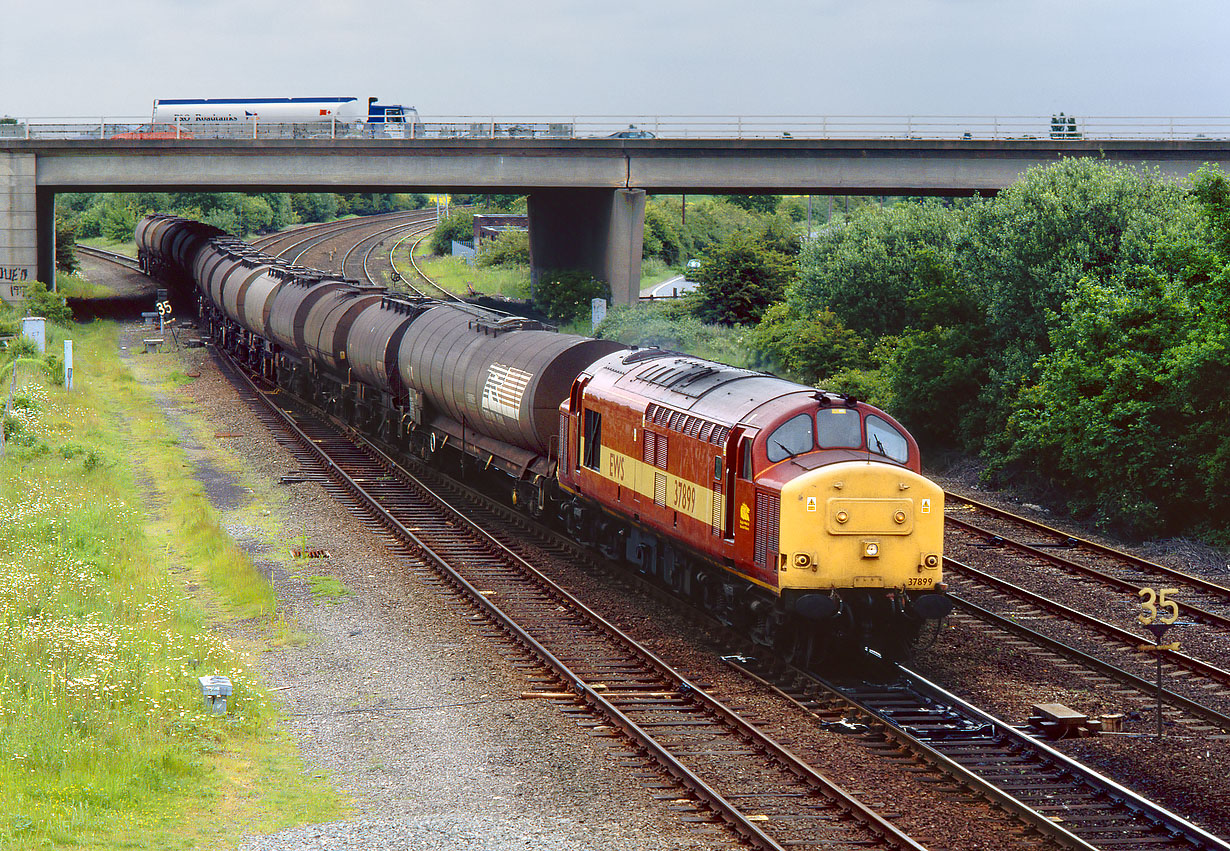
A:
[593,440]
[838,428]
[883,439]
[793,437]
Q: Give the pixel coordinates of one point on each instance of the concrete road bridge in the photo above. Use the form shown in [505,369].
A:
[586,193]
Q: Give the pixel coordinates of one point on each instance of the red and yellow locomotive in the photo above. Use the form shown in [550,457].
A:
[797,514]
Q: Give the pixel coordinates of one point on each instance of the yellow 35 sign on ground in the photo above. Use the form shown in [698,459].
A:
[1157,608]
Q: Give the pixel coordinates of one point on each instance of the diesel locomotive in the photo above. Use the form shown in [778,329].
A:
[799,515]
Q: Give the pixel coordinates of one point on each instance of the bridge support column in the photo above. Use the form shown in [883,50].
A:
[19,230]
[599,230]
[45,226]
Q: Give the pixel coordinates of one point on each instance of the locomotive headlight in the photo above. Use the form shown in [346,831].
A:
[871,549]
[801,559]
[899,517]
[842,517]
[931,560]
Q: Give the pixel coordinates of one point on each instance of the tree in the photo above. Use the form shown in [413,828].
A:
[755,203]
[1028,249]
[314,206]
[117,220]
[502,202]
[1129,416]
[868,270]
[709,222]
[740,279]
[661,236]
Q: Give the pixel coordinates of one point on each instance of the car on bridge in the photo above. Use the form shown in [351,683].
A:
[632,133]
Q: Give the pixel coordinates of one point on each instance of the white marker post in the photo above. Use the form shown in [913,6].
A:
[597,312]
[68,364]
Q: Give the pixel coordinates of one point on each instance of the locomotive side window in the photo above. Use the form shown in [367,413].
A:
[793,437]
[838,428]
[717,468]
[745,458]
[593,440]
[883,439]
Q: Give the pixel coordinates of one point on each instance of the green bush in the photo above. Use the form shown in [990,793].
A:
[662,239]
[672,326]
[869,385]
[459,226]
[565,294]
[66,240]
[51,306]
[509,248]
[740,278]
[116,222]
[809,346]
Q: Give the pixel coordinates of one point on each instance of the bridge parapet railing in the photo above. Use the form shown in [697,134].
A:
[1058,127]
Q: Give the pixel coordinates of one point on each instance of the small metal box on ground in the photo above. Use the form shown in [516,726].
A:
[215,689]
[35,328]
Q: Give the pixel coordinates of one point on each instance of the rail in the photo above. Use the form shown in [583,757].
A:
[1057,128]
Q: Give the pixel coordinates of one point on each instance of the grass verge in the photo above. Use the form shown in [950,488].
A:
[127,247]
[115,577]
[456,276]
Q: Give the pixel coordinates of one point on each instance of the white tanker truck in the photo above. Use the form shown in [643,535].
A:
[340,116]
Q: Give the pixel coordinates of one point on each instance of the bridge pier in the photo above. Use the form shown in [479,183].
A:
[20,226]
[600,230]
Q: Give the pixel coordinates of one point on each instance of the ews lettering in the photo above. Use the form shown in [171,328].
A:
[615,466]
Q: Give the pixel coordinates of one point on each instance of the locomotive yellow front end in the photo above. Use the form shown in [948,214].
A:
[862,541]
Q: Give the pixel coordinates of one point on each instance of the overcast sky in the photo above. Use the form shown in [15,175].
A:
[642,57]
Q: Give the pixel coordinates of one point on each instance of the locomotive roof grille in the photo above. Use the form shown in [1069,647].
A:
[638,355]
[691,378]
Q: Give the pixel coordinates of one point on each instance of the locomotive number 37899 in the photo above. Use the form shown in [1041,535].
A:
[685,496]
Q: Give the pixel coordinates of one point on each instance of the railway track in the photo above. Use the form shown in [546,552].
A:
[1192,716]
[730,771]
[905,713]
[1205,601]
[1199,681]
[296,245]
[1118,823]
[111,256]
[359,260]
[293,244]
[437,290]
[1088,593]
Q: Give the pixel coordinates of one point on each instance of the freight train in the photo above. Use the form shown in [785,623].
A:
[799,515]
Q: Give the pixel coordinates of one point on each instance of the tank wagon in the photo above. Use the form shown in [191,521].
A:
[798,515]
